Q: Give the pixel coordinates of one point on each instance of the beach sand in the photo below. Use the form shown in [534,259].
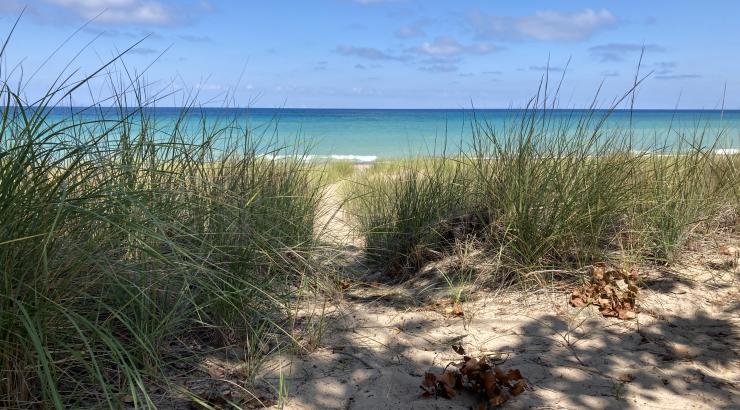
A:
[681,351]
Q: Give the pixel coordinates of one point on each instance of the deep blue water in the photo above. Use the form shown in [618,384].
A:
[367,133]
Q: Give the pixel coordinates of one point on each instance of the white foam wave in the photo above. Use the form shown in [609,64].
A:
[359,159]
[727,151]
[355,158]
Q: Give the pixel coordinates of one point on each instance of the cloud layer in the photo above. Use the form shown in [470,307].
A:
[368,53]
[449,47]
[119,11]
[543,25]
[617,51]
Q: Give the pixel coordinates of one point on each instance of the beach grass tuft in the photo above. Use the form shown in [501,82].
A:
[548,193]
[125,241]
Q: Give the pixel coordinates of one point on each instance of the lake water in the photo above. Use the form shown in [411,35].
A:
[368,134]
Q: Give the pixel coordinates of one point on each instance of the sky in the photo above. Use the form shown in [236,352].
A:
[385,53]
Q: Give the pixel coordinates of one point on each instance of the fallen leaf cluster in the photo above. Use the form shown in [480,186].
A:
[478,375]
[447,308]
[612,289]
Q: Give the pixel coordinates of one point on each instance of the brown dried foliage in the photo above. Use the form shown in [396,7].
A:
[612,289]
[480,376]
[447,308]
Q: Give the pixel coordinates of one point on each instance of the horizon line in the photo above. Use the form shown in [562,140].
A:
[396,108]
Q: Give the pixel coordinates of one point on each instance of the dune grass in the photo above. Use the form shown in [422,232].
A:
[333,171]
[125,241]
[547,194]
[397,210]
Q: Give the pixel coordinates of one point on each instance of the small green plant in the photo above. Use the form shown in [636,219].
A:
[283,393]
[463,271]
[618,390]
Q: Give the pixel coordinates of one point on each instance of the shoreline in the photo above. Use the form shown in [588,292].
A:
[365,160]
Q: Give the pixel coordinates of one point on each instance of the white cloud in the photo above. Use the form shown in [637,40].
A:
[449,47]
[119,11]
[543,25]
[441,46]
[367,53]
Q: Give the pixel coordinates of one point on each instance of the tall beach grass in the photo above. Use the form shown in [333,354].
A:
[125,241]
[549,193]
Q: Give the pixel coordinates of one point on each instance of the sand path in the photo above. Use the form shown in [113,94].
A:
[682,351]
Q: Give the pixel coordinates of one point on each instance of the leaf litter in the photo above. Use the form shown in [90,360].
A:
[612,289]
[481,376]
[447,308]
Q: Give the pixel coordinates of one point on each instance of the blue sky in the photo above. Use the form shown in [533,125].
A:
[391,53]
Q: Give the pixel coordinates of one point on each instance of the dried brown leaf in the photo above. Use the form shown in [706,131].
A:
[470,366]
[598,273]
[577,300]
[518,388]
[480,376]
[729,250]
[514,374]
[430,380]
[489,384]
[446,391]
[626,314]
[500,375]
[498,399]
[457,310]
[449,378]
[611,289]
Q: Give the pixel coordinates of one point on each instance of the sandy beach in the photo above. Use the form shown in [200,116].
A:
[682,350]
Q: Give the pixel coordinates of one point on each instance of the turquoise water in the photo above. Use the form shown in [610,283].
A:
[367,134]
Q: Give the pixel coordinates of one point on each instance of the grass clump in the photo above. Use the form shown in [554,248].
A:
[126,240]
[399,211]
[333,171]
[678,195]
[552,192]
